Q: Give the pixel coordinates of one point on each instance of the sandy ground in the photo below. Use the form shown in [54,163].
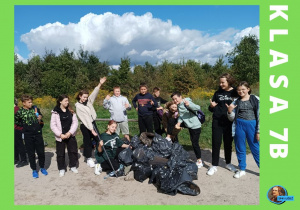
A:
[85,188]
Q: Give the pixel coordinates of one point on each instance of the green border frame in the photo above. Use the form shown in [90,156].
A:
[279,171]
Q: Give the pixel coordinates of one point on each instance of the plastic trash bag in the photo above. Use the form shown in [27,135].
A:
[147,138]
[125,156]
[161,146]
[141,171]
[143,154]
[135,141]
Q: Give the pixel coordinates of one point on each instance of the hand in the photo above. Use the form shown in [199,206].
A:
[101,143]
[213,104]
[257,136]
[230,107]
[39,117]
[62,136]
[186,102]
[159,108]
[177,126]
[68,135]
[107,97]
[151,102]
[102,80]
[136,108]
[126,105]
[94,132]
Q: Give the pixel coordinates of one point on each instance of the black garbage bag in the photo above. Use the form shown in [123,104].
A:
[125,156]
[125,141]
[161,146]
[141,171]
[192,169]
[146,138]
[135,141]
[142,154]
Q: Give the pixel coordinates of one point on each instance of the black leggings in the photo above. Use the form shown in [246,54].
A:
[114,161]
[87,140]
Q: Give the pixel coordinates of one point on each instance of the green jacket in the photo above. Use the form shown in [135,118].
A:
[111,143]
[187,114]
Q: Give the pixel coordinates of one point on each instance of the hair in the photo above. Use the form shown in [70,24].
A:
[110,123]
[117,87]
[244,83]
[26,98]
[81,93]
[176,93]
[60,99]
[168,104]
[16,101]
[142,84]
[228,78]
[156,89]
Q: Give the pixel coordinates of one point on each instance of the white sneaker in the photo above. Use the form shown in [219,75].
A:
[90,162]
[212,170]
[230,167]
[199,163]
[61,173]
[74,170]
[98,169]
[239,174]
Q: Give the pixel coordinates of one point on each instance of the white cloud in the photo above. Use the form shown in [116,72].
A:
[142,38]
[20,58]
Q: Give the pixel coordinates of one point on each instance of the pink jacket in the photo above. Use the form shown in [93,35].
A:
[55,125]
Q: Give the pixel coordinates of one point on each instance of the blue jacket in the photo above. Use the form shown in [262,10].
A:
[144,104]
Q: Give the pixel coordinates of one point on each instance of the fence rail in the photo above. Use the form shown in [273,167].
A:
[107,119]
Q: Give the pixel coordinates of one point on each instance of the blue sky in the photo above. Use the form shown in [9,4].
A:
[209,25]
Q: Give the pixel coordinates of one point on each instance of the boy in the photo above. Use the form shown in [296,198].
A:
[156,118]
[27,118]
[187,116]
[117,106]
[145,109]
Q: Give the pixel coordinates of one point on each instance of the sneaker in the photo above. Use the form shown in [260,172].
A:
[199,163]
[230,167]
[61,173]
[21,164]
[35,174]
[16,162]
[212,170]
[239,174]
[90,162]
[74,170]
[98,169]
[44,171]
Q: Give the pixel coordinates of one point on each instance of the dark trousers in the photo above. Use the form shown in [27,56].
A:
[219,130]
[35,143]
[114,161]
[145,124]
[170,127]
[157,125]
[195,136]
[72,148]
[20,150]
[87,140]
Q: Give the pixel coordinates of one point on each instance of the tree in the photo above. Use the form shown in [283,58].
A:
[245,59]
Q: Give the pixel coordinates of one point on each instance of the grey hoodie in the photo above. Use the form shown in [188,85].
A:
[116,107]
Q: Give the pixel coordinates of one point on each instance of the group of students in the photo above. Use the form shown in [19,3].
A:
[235,116]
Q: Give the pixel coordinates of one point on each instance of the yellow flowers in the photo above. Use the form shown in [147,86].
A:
[201,93]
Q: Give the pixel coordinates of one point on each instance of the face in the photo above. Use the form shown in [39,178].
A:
[156,93]
[27,104]
[112,128]
[243,91]
[275,191]
[173,108]
[65,102]
[83,98]
[117,92]
[224,84]
[177,99]
[143,90]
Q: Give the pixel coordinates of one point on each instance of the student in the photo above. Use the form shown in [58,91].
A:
[20,151]
[156,118]
[26,118]
[146,102]
[221,126]
[187,118]
[113,146]
[87,115]
[244,112]
[169,120]
[117,106]
[64,124]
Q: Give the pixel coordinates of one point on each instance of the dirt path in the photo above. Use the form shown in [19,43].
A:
[85,188]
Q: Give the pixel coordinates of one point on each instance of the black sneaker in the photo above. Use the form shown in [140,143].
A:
[16,162]
[21,164]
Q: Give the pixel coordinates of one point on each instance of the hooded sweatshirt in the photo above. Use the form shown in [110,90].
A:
[187,114]
[116,107]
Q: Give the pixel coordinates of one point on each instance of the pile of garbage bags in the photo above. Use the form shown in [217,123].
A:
[166,164]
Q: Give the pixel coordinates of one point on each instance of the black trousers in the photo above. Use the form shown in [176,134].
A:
[87,140]
[114,161]
[35,143]
[145,123]
[219,130]
[20,150]
[195,136]
[72,148]
[170,127]
[157,124]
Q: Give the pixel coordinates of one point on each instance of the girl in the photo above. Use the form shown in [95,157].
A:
[187,109]
[64,124]
[87,115]
[156,117]
[221,126]
[113,146]
[244,112]
[169,120]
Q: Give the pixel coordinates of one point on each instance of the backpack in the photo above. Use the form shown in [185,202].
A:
[199,114]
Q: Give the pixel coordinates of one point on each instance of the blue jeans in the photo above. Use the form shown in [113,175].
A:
[246,129]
